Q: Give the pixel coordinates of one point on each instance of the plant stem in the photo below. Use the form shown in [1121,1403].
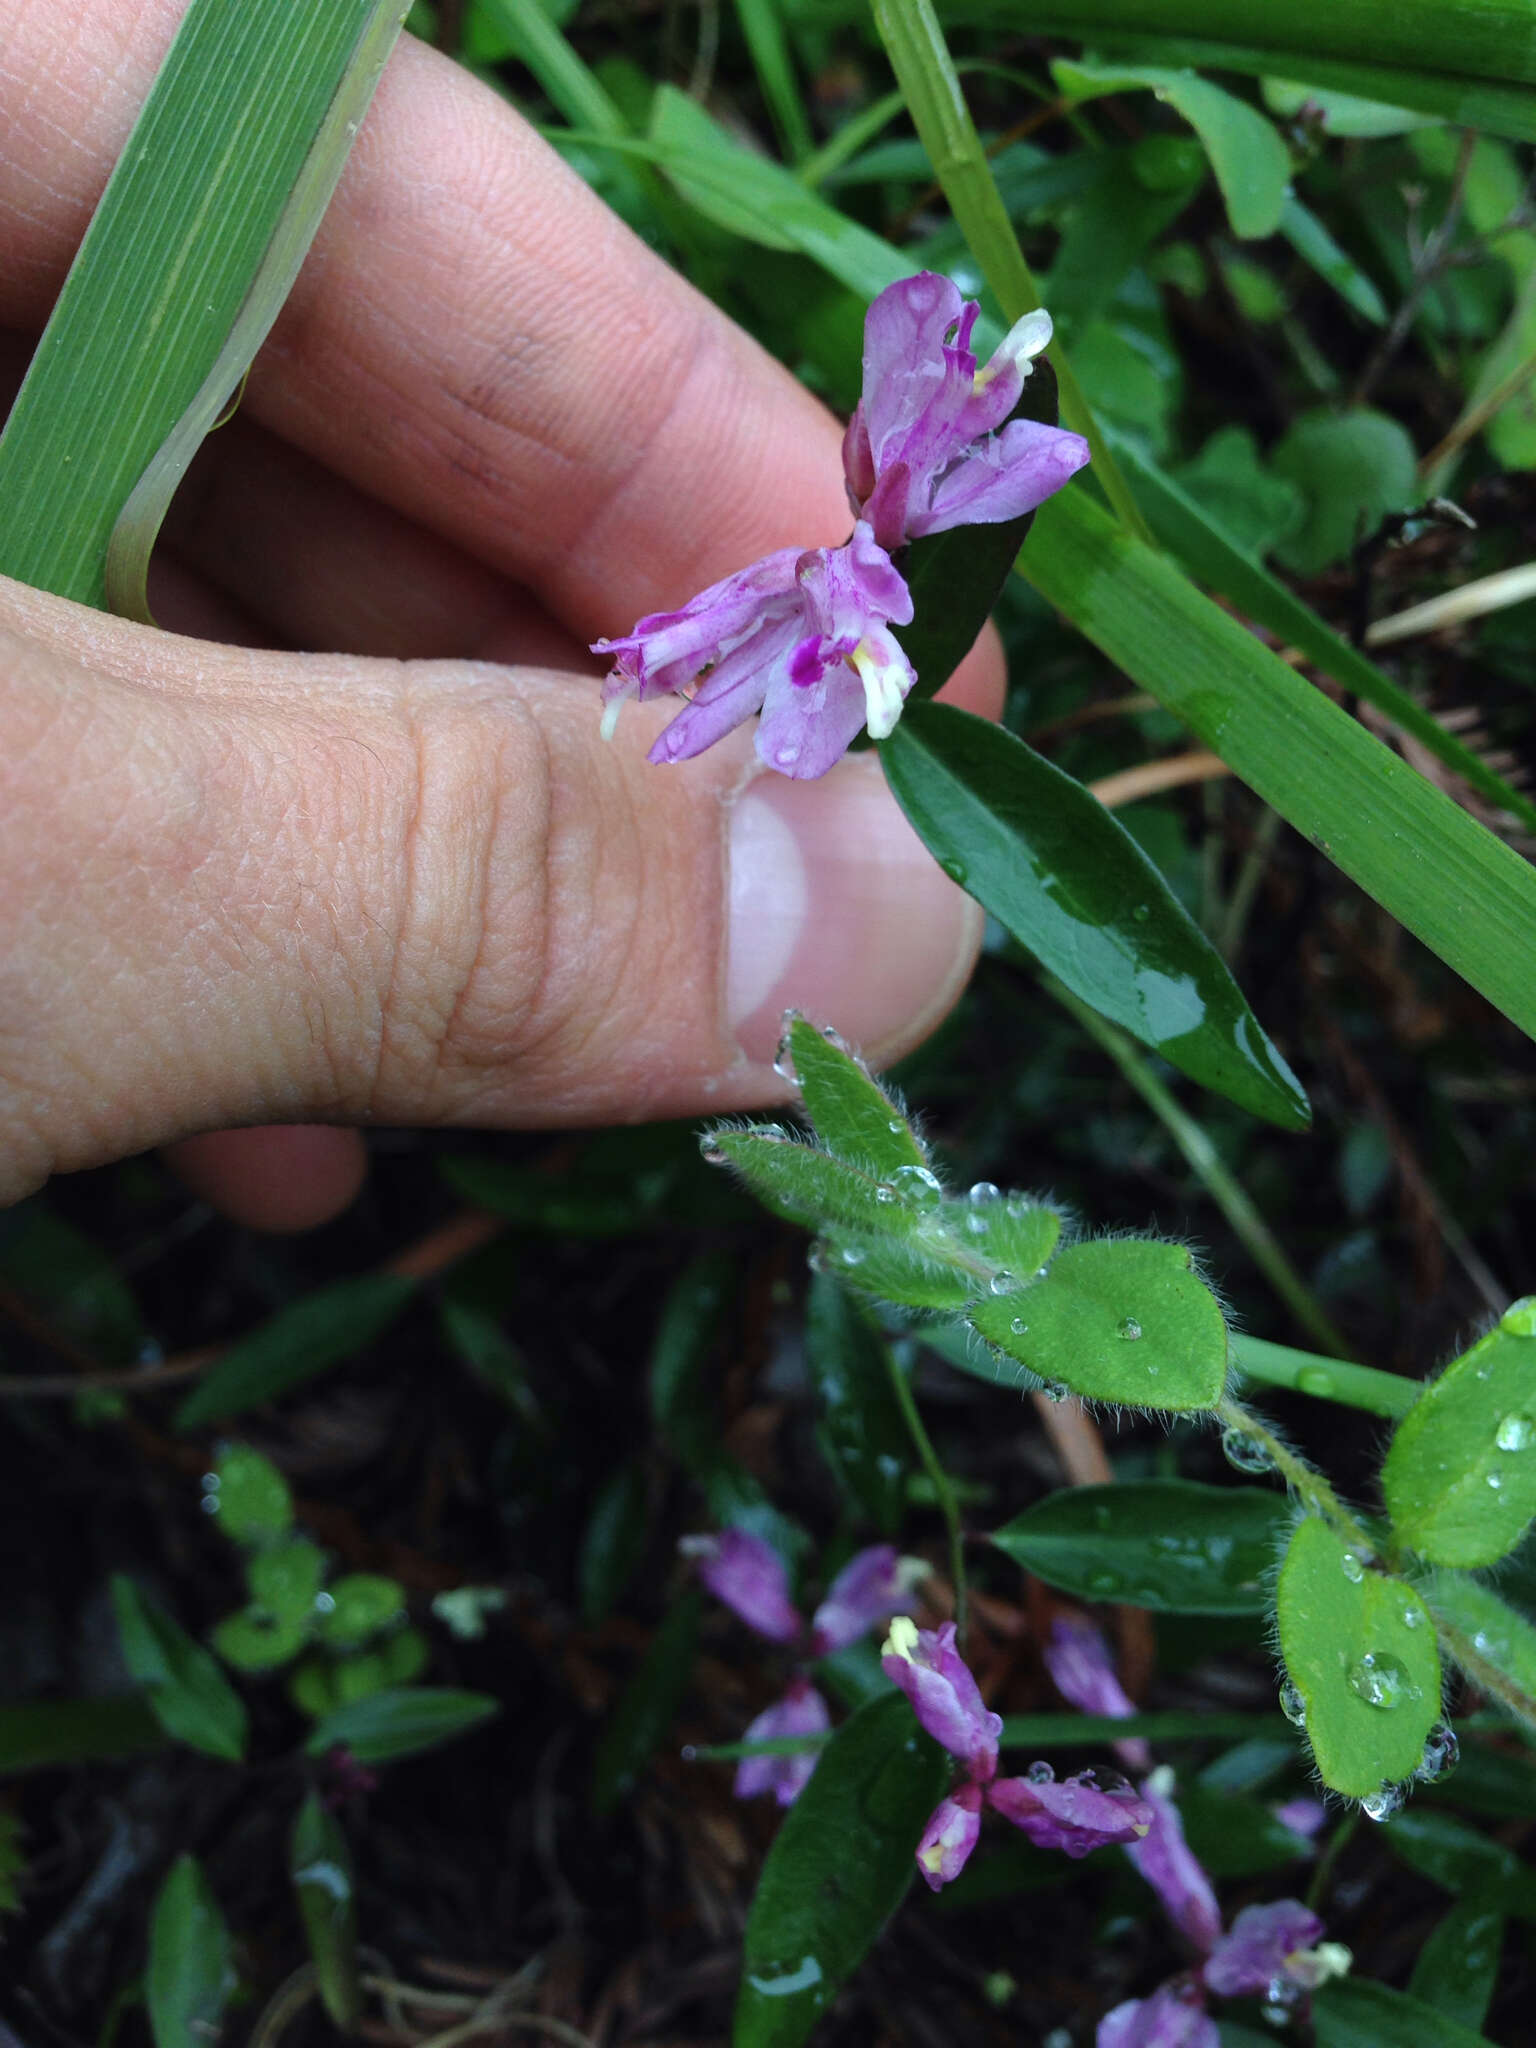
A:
[1326,1379]
[1485,1675]
[943,1492]
[1308,1484]
[1338,1842]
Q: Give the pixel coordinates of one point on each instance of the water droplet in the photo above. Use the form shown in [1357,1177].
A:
[833,1036]
[1383,1804]
[1313,1380]
[784,1067]
[780,1981]
[852,1256]
[211,1482]
[956,870]
[325,1603]
[1519,1319]
[918,1188]
[1057,1393]
[209,1503]
[1130,1329]
[1101,1515]
[1002,1282]
[1153,1371]
[1104,1582]
[1381,1680]
[1018,1326]
[1442,1753]
[1142,912]
[977,1225]
[895,1126]
[984,1191]
[710,1152]
[1515,1433]
[1351,1567]
[885,1193]
[1413,1617]
[1040,1774]
[1039,1272]
[816,1259]
[1244,1451]
[1496,1480]
[1292,1705]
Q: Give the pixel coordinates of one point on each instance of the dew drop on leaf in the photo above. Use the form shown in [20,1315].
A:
[1130,1329]
[917,1187]
[984,1191]
[1018,1326]
[1381,1680]
[1292,1705]
[1351,1567]
[1002,1282]
[1245,1452]
[1519,1319]
[1383,1804]
[1515,1433]
[1442,1753]
[1313,1380]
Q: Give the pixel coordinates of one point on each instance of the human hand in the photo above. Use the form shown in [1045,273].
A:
[402,879]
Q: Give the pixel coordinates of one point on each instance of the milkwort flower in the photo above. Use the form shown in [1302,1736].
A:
[804,638]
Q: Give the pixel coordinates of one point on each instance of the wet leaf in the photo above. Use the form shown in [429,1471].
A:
[862,1434]
[682,1402]
[401,1722]
[854,1117]
[807,1186]
[1359,1648]
[613,1542]
[188,1694]
[838,1869]
[1353,2012]
[362,1604]
[1171,1545]
[320,1865]
[251,1503]
[1116,1319]
[1497,1632]
[190,1973]
[1458,1965]
[648,1705]
[1460,1478]
[1059,871]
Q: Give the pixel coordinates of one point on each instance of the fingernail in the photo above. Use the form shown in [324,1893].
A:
[838,909]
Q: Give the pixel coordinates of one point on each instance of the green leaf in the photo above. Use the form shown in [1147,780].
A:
[837,1870]
[1229,480]
[251,1501]
[71,1282]
[256,1641]
[1352,469]
[648,1705]
[323,1329]
[1252,165]
[1462,1860]
[1050,863]
[190,1971]
[1118,1319]
[1171,1545]
[854,1117]
[37,1733]
[188,1694]
[862,1433]
[897,1272]
[1360,1650]
[361,1603]
[185,265]
[613,1543]
[1460,1478]
[1338,113]
[1499,1634]
[401,1722]
[801,1182]
[286,1579]
[1317,248]
[682,1404]
[320,1867]
[1353,2012]
[1012,1233]
[1233,1834]
[1458,1966]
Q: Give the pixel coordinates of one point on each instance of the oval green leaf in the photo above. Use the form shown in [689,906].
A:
[285,1580]
[1360,1649]
[1460,1478]
[190,1973]
[401,1722]
[837,1870]
[1049,862]
[187,1692]
[804,1184]
[1357,2013]
[854,1117]
[252,1501]
[320,1865]
[362,1604]
[1171,1545]
[1117,1319]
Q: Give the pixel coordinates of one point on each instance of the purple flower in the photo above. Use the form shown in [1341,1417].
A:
[1258,1952]
[803,638]
[950,1836]
[870,1588]
[802,1711]
[923,451]
[944,1695]
[1165,1860]
[1302,1816]
[1077,1657]
[1173,2017]
[1075,1816]
[748,1575]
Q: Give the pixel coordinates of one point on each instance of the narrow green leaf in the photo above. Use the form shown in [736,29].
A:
[1403,841]
[199,198]
[188,1694]
[764,31]
[1354,2012]
[804,1184]
[1462,1859]
[1339,113]
[862,1433]
[1460,1478]
[854,1117]
[648,1705]
[1116,1319]
[1050,863]
[323,1329]
[1317,248]
[1015,1235]
[1360,1649]
[1458,1966]
[400,1721]
[837,1870]
[903,1273]
[190,1972]
[1252,165]
[320,1867]
[38,1733]
[1171,1545]
[250,1498]
[1498,1633]
[613,1542]
[682,1406]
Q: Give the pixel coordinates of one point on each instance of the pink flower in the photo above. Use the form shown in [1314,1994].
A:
[950,1836]
[1077,1657]
[944,1695]
[1075,1815]
[927,449]
[1165,1860]
[1173,2017]
[802,1711]
[748,1575]
[1259,1951]
[870,1588]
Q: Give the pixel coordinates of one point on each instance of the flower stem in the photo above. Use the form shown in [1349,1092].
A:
[943,1492]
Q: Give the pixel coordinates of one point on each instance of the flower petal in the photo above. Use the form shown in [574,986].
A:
[1075,1815]
[748,1575]
[1253,1955]
[1173,2017]
[870,1588]
[1082,1671]
[666,650]
[1002,477]
[950,1836]
[1168,1864]
[904,365]
[802,1711]
[944,1694]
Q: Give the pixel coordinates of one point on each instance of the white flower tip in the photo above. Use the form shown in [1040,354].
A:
[1024,340]
[932,1858]
[902,1640]
[885,689]
[611,710]
[1315,1966]
[1161,1783]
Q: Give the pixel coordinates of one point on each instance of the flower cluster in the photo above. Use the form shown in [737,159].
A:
[805,638]
[748,1575]
[1271,1952]
[1074,1816]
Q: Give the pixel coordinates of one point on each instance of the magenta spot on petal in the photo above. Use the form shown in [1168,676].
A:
[807,664]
